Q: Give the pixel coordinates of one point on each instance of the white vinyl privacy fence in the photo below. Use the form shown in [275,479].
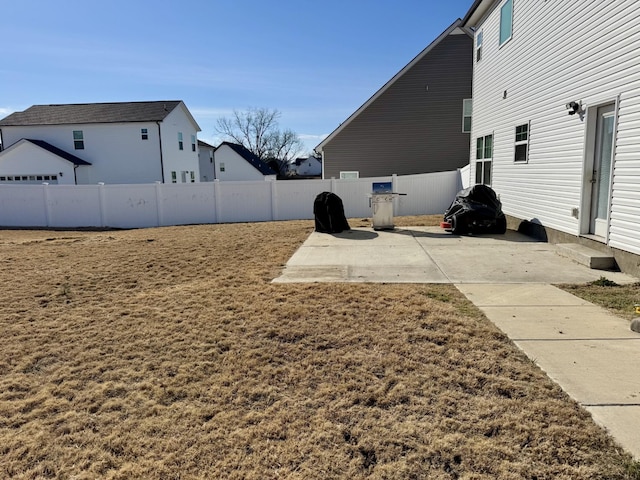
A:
[152,205]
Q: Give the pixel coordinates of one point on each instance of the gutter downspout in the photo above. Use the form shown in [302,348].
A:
[161,159]
[1,141]
[75,175]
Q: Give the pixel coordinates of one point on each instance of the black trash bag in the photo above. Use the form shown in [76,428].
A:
[476,209]
[329,213]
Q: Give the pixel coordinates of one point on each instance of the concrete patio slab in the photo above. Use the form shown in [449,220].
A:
[432,255]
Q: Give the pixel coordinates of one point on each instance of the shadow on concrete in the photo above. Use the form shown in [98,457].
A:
[509,236]
[355,235]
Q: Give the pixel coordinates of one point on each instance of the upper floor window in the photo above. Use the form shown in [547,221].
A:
[506,21]
[479,38]
[193,143]
[78,140]
[467,108]
[522,143]
[180,143]
[144,134]
[349,175]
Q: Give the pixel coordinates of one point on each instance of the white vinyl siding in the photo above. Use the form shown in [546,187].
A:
[546,68]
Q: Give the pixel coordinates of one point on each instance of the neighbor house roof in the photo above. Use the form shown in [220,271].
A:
[250,157]
[92,113]
[205,144]
[452,29]
[56,151]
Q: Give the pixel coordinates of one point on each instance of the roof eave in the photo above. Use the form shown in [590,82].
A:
[477,12]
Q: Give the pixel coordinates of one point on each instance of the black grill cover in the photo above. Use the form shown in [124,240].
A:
[476,209]
[329,213]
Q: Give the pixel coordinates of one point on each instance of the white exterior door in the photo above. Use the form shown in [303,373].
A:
[601,175]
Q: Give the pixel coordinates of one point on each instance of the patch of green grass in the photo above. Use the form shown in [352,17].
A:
[620,299]
[603,282]
[633,470]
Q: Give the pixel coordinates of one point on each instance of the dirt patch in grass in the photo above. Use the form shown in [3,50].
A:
[167,353]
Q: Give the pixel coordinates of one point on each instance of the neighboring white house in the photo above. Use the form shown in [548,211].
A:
[307,167]
[556,116]
[234,162]
[119,143]
[205,159]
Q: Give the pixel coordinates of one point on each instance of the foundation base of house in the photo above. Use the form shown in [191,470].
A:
[626,262]
[587,256]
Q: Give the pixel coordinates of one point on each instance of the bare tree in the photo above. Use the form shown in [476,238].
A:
[257,130]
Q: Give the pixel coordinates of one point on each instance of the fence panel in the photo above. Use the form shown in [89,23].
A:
[186,204]
[129,206]
[73,206]
[427,194]
[150,205]
[355,195]
[295,198]
[23,206]
[245,201]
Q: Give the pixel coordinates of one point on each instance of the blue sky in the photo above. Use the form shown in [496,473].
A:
[315,62]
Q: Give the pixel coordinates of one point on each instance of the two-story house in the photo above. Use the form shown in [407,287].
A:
[116,143]
[418,122]
[556,118]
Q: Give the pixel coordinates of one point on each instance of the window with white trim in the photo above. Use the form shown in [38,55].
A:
[174,177]
[144,134]
[180,143]
[522,144]
[484,159]
[78,139]
[193,143]
[349,175]
[467,109]
[479,38]
[506,21]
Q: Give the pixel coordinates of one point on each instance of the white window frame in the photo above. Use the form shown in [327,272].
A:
[484,160]
[193,143]
[479,40]
[467,112]
[180,141]
[518,143]
[502,41]
[144,134]
[78,139]
[349,175]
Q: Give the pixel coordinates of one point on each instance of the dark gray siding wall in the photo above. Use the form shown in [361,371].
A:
[415,126]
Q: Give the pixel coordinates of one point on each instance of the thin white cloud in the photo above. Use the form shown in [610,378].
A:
[310,137]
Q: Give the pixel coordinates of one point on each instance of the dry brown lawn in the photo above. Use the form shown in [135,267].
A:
[167,354]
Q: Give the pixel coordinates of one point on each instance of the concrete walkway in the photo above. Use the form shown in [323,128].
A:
[592,354]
